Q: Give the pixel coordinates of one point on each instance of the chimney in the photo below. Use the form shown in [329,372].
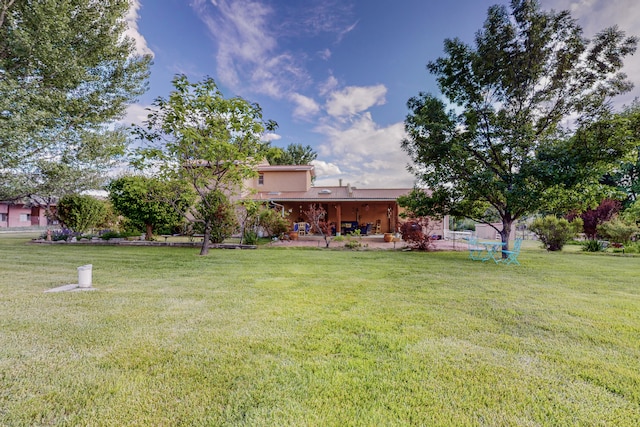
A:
[340,182]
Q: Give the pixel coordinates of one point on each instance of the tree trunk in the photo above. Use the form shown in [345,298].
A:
[205,241]
[149,234]
[505,233]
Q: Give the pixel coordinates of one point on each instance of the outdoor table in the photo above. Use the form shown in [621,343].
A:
[493,247]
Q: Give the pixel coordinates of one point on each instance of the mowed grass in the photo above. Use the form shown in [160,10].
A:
[313,337]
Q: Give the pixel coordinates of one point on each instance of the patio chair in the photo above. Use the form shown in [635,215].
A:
[476,252]
[512,255]
[301,227]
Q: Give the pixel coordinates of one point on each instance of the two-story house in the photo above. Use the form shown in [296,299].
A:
[291,189]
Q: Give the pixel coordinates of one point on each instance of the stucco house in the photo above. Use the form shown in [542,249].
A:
[291,189]
[22,214]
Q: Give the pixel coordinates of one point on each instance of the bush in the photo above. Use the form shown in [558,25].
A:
[119,235]
[632,248]
[555,232]
[216,212]
[618,230]
[413,232]
[607,209]
[273,222]
[592,245]
[59,235]
[250,237]
[80,213]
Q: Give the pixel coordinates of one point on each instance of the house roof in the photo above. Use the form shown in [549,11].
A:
[334,194]
[286,168]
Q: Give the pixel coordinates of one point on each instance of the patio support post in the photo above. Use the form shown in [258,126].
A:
[338,219]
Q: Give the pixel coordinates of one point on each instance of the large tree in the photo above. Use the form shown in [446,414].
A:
[626,176]
[527,111]
[210,142]
[67,72]
[294,154]
[150,203]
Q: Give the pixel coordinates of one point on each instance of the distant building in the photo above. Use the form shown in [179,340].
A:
[22,214]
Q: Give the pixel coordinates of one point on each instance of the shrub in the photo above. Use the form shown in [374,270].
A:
[607,209]
[58,235]
[273,222]
[353,240]
[592,245]
[352,244]
[632,248]
[555,232]
[413,232]
[618,230]
[116,235]
[250,237]
[216,212]
[80,213]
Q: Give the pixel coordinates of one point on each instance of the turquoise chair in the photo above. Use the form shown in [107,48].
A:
[476,252]
[512,255]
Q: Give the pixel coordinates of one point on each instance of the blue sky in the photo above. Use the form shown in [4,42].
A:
[334,74]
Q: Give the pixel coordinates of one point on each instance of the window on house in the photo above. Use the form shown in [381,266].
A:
[3,217]
[261,179]
[25,217]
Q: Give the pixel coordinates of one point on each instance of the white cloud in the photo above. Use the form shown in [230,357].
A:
[324,169]
[325,54]
[271,137]
[245,43]
[135,114]
[367,154]
[305,106]
[596,15]
[132,31]
[355,99]
[328,85]
[347,30]
[248,56]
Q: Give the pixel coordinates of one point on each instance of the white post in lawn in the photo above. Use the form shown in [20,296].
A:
[84,276]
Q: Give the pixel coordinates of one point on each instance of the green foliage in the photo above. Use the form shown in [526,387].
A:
[199,137]
[215,217]
[352,244]
[118,234]
[554,232]
[632,213]
[505,144]
[592,245]
[626,175]
[150,203]
[618,230]
[463,224]
[272,221]
[632,248]
[67,72]
[250,237]
[354,240]
[80,213]
[294,154]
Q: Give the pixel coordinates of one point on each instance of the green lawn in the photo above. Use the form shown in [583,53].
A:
[313,337]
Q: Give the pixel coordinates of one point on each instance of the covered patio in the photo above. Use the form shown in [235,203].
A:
[372,211]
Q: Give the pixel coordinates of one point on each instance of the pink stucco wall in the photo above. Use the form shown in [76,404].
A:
[18,215]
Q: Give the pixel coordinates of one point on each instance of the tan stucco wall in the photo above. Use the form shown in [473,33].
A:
[283,181]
